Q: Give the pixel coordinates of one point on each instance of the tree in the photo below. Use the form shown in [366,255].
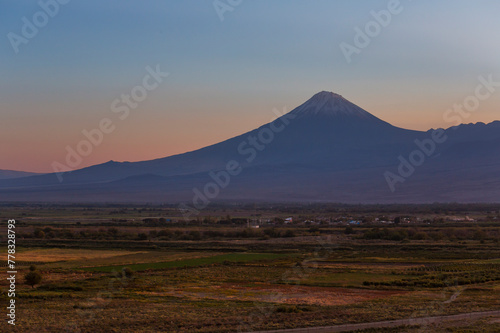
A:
[348,230]
[39,233]
[127,272]
[33,278]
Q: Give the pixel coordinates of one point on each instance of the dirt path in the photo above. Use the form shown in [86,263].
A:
[388,323]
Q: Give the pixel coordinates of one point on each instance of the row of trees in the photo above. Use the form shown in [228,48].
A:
[114,233]
[216,234]
[398,234]
[390,233]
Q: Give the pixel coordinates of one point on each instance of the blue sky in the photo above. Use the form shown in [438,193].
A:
[227,76]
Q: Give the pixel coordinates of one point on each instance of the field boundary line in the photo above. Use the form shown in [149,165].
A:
[387,323]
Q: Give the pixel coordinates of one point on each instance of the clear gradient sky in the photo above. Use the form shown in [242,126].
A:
[225,77]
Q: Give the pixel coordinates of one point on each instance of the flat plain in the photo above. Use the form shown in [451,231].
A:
[146,269]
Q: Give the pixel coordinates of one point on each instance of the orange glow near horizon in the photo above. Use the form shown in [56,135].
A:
[149,134]
[225,78]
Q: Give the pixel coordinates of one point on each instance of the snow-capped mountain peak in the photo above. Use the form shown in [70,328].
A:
[330,104]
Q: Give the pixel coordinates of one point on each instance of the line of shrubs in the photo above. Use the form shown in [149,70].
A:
[113,233]
[441,280]
[399,234]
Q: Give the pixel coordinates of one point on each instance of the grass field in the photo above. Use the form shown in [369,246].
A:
[44,255]
[226,278]
[231,257]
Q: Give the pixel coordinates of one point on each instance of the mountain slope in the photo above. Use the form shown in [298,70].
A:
[11,174]
[315,130]
[327,149]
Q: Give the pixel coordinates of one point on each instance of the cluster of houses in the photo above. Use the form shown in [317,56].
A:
[323,221]
[347,220]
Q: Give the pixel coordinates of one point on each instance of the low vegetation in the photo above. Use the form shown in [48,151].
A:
[133,269]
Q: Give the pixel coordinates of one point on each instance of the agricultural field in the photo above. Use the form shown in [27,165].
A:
[139,274]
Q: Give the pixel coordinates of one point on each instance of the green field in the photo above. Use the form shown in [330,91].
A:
[215,275]
[232,257]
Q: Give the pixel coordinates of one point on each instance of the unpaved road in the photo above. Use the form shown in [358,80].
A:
[388,323]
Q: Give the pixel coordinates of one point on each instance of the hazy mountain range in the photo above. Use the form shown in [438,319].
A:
[327,149]
[10,174]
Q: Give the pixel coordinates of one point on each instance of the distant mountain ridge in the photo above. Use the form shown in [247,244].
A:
[11,174]
[327,149]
